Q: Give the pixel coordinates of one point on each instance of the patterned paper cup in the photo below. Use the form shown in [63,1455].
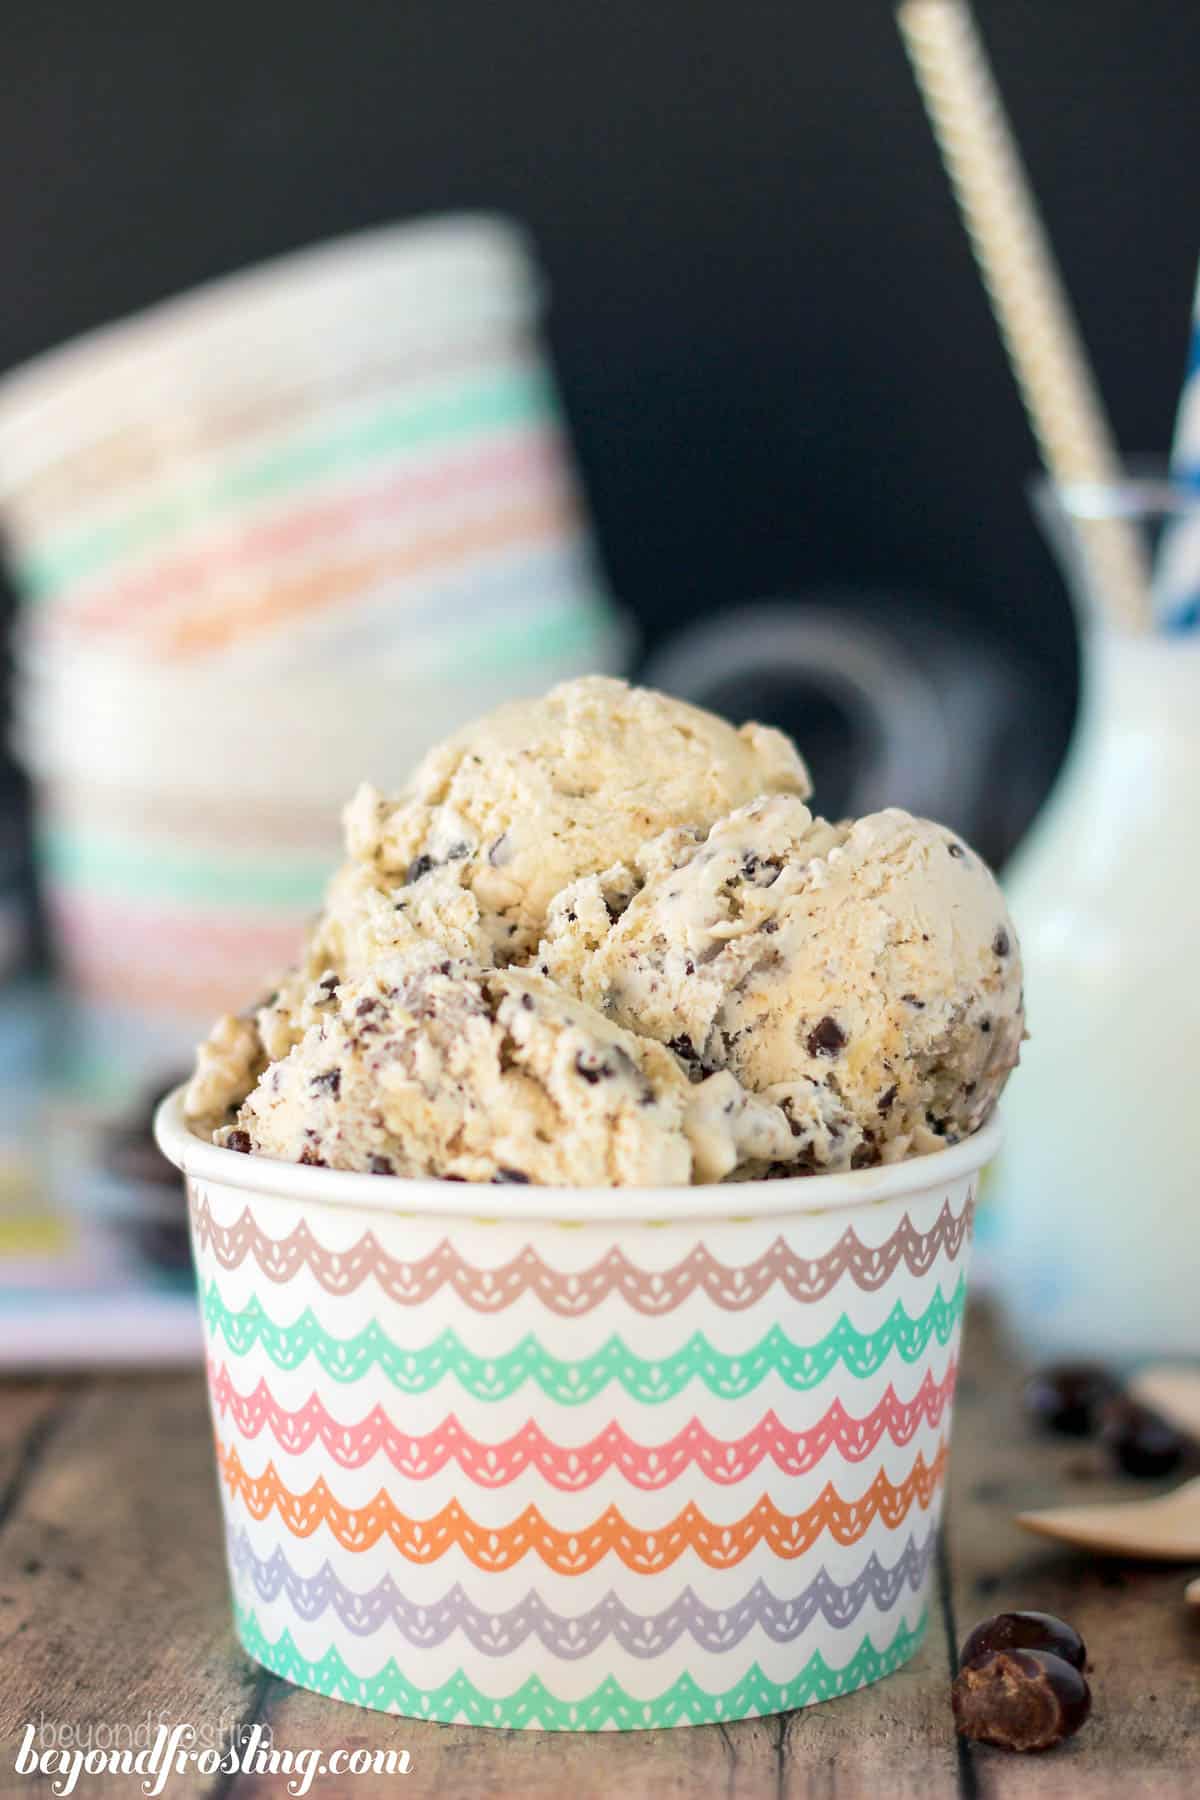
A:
[580,1459]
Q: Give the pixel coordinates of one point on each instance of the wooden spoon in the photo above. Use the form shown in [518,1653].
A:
[1166,1529]
[1173,1390]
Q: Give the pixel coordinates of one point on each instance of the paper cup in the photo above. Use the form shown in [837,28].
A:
[580,1459]
[186,836]
[362,440]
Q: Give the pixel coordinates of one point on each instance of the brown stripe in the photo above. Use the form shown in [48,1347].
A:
[410,1283]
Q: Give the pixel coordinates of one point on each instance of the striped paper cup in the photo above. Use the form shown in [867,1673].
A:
[187,823]
[596,1460]
[365,436]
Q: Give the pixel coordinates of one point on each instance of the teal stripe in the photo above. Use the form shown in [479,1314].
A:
[685,1702]
[128,871]
[581,625]
[574,1383]
[517,398]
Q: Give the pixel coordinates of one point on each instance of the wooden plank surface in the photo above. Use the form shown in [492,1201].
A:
[113,1601]
[113,1607]
[1144,1734]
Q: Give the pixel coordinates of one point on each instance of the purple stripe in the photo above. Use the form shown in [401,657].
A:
[498,1634]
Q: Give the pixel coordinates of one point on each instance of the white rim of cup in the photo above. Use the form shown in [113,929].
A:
[432,1198]
[428,275]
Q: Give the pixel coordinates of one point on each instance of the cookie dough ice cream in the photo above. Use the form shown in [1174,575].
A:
[428,1066]
[599,939]
[864,976]
[501,817]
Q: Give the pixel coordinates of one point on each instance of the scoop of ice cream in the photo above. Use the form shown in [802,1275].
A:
[541,792]
[493,823]
[431,1066]
[864,976]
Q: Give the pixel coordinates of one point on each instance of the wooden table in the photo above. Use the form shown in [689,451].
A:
[113,1607]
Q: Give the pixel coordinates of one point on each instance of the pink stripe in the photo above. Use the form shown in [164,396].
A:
[146,934]
[535,454]
[571,1469]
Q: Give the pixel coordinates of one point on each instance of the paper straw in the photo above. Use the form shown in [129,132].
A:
[1026,291]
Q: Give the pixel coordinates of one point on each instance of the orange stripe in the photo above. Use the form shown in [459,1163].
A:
[236,620]
[575,1552]
[307,525]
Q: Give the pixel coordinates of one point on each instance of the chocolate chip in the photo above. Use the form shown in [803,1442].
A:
[1140,1441]
[328,1081]
[762,873]
[572,916]
[689,967]
[593,1068]
[1024,1631]
[911,1000]
[366,1005]
[985,1024]
[456,852]
[866,1156]
[886,1100]
[1068,1398]
[688,1055]
[1000,943]
[312,1159]
[419,866]
[380,1165]
[239,1141]
[527,1002]
[329,982]
[769,926]
[955,849]
[826,1038]
[516,1175]
[1020,1700]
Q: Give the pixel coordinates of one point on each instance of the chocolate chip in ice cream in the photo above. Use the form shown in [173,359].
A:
[826,1038]
[239,1141]
[1001,943]
[418,867]
[593,1068]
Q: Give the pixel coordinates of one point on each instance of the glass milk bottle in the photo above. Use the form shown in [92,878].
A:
[1097,1191]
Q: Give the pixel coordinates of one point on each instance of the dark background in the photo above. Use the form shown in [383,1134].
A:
[777,356]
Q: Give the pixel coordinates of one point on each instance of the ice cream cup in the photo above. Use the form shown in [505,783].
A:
[580,1459]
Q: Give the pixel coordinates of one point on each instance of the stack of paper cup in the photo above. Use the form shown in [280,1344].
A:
[275,537]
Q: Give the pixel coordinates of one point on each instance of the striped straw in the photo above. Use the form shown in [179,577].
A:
[1027,294]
